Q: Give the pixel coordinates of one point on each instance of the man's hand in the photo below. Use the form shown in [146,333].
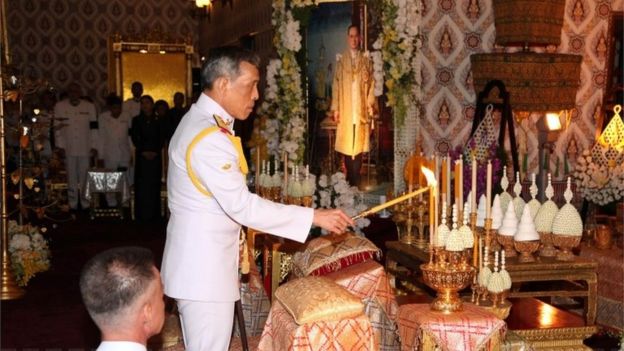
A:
[334,221]
[336,117]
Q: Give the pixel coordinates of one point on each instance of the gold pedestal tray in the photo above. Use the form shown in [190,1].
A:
[508,242]
[566,243]
[526,250]
[547,250]
[447,282]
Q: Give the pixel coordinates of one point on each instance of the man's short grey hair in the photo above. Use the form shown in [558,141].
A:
[113,280]
[225,62]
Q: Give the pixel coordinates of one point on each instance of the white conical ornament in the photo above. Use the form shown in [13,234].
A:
[503,272]
[262,177]
[481,212]
[496,284]
[568,221]
[484,274]
[526,228]
[465,232]
[454,241]
[443,229]
[497,213]
[534,204]
[510,222]
[505,197]
[547,212]
[518,200]
[297,189]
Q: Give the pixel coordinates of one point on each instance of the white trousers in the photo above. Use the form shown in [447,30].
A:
[77,167]
[206,326]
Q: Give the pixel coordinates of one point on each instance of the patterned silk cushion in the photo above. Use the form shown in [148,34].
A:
[331,253]
[313,299]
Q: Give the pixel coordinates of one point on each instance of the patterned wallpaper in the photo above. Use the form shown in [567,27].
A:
[66,40]
[455,29]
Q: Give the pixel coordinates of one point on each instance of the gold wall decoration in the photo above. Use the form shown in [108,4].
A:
[162,67]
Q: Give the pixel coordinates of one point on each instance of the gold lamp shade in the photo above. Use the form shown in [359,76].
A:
[536,82]
[536,22]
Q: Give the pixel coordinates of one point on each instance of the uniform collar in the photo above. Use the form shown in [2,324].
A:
[121,345]
[206,103]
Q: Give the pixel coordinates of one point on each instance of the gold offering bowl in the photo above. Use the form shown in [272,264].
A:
[566,243]
[447,282]
[526,249]
[508,242]
[306,201]
[547,250]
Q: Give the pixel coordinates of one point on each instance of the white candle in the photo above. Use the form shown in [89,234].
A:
[307,176]
[488,191]
[473,200]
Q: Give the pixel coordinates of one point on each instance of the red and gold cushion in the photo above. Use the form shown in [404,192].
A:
[313,299]
[331,253]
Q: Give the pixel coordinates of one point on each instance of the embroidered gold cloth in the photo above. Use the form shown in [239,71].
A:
[313,299]
[369,282]
[471,329]
[281,332]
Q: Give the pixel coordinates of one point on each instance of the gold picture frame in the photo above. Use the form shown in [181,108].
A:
[162,65]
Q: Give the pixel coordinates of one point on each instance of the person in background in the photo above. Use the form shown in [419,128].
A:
[148,137]
[114,139]
[353,104]
[132,106]
[79,140]
[209,201]
[176,113]
[122,292]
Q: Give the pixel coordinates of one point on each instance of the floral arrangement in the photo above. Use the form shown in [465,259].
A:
[29,251]
[283,101]
[598,182]
[335,192]
[395,58]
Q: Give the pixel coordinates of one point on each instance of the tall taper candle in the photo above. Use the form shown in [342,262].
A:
[488,191]
[448,180]
[445,175]
[473,200]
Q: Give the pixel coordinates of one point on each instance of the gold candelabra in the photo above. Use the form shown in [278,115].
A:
[447,273]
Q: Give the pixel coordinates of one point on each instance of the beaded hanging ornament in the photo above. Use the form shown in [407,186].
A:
[485,135]
[609,148]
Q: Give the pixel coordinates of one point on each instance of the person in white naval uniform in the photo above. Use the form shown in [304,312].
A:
[115,147]
[123,293]
[79,139]
[209,201]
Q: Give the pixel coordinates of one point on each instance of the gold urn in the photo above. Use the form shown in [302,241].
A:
[447,281]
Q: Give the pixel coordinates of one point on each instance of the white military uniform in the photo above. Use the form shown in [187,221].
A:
[120,346]
[115,145]
[200,260]
[77,138]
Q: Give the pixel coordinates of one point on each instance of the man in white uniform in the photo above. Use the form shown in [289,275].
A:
[79,140]
[122,291]
[209,201]
[114,140]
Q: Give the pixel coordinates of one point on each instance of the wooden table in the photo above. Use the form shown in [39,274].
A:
[580,273]
[547,327]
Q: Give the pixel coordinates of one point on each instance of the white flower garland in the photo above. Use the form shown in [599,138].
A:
[283,101]
[335,192]
[395,59]
[598,183]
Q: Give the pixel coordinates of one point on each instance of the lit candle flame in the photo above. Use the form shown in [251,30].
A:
[429,175]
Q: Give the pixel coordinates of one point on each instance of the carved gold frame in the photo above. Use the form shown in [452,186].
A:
[162,55]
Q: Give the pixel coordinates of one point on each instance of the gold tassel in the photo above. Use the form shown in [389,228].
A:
[245,253]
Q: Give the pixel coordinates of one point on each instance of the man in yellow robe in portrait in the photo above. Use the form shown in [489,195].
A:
[353,104]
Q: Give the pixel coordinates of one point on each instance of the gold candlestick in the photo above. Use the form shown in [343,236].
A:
[475,234]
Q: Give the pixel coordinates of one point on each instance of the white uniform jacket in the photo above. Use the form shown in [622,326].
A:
[76,137]
[200,260]
[115,147]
